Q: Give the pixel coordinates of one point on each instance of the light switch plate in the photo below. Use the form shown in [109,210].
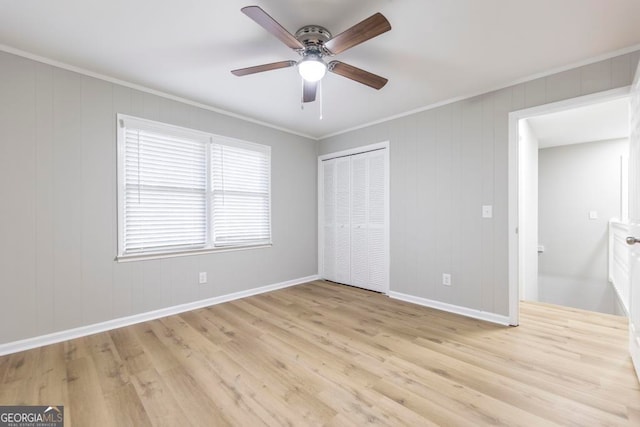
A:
[487,211]
[593,214]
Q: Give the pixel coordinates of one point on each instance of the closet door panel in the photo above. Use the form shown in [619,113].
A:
[329,259]
[377,260]
[359,214]
[376,225]
[329,220]
[377,188]
[343,221]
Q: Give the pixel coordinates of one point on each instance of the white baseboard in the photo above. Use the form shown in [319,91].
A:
[464,311]
[56,337]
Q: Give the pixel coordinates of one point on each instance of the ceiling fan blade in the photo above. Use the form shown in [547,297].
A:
[354,73]
[265,67]
[369,28]
[309,90]
[263,19]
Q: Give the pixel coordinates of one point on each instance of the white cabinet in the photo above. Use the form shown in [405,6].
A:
[353,220]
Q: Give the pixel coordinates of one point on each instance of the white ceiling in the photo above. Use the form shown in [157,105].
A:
[597,122]
[437,50]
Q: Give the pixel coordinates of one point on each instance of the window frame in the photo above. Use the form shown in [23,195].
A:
[122,122]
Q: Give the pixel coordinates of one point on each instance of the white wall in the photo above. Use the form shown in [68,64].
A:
[58,206]
[528,209]
[445,163]
[574,180]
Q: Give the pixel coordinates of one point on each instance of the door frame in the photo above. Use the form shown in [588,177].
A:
[384,145]
[514,184]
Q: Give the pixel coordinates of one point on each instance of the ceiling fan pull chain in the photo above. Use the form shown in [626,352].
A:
[320,95]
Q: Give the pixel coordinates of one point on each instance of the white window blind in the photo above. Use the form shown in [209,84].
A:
[184,190]
[240,200]
[165,193]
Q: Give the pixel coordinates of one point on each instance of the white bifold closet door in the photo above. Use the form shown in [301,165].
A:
[354,208]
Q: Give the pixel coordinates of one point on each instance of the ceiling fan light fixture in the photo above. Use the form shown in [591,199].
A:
[312,68]
[313,43]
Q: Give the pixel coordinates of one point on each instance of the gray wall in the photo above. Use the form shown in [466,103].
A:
[445,163]
[574,180]
[58,213]
[58,206]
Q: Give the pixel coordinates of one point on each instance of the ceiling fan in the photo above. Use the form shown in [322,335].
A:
[313,43]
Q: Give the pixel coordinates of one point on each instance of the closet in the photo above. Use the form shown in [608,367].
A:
[353,223]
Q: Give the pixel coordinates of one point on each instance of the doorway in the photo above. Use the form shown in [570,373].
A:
[559,247]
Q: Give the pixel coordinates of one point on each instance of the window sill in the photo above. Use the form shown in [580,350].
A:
[162,255]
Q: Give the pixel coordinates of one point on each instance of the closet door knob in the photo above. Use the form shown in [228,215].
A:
[632,240]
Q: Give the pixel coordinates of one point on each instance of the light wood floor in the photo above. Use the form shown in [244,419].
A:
[325,354]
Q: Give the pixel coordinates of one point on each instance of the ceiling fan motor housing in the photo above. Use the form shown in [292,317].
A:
[313,37]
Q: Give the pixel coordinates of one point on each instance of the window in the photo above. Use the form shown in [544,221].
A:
[181,190]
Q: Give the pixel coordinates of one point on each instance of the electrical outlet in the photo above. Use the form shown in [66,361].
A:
[203,277]
[446,279]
